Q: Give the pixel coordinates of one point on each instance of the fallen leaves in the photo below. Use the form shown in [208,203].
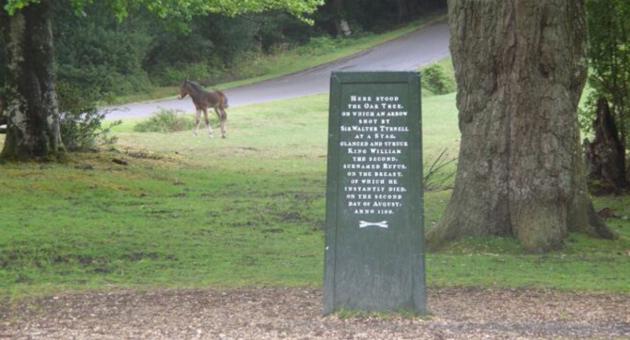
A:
[295,313]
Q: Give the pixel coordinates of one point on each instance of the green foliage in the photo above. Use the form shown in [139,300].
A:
[186,9]
[97,58]
[609,60]
[217,48]
[81,124]
[204,52]
[587,110]
[374,15]
[236,35]
[102,57]
[165,121]
[279,30]
[85,131]
[322,44]
[167,75]
[437,79]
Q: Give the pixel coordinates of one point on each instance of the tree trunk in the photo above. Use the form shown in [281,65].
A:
[341,24]
[520,69]
[606,154]
[401,10]
[31,107]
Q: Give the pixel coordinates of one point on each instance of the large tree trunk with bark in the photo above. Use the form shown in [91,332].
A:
[31,100]
[520,67]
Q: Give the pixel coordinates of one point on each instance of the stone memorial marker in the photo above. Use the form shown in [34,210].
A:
[374,201]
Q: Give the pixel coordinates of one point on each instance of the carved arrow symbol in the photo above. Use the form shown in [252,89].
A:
[382,224]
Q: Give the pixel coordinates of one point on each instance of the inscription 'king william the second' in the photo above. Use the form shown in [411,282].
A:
[374,253]
[374,146]
[374,216]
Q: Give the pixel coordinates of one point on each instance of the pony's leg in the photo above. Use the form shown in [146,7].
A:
[197,120]
[205,116]
[222,118]
[223,122]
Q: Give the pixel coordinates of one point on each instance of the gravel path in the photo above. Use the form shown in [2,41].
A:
[276,313]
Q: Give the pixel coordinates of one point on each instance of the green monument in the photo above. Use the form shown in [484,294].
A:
[374,201]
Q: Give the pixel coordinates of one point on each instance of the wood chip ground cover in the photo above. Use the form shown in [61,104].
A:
[295,313]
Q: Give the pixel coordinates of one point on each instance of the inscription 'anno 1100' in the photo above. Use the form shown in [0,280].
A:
[374,146]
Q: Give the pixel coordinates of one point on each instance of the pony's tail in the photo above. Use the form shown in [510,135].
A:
[224,100]
[223,105]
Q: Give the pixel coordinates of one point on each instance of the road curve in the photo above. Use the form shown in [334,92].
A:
[409,52]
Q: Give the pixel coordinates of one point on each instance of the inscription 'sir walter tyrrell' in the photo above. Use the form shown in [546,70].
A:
[374,139]
[374,239]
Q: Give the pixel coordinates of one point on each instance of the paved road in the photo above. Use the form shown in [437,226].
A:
[407,53]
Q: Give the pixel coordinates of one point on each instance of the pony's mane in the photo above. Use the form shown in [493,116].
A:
[195,85]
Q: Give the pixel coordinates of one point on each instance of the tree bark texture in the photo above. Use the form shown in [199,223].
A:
[520,68]
[31,100]
[606,154]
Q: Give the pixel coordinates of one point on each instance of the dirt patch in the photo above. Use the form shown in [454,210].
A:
[274,313]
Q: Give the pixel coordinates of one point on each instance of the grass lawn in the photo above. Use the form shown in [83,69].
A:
[245,211]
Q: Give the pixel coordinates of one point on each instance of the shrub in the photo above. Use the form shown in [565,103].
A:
[436,80]
[165,121]
[96,52]
[80,122]
[85,131]
[167,75]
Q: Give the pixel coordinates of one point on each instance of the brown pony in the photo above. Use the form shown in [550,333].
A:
[204,99]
